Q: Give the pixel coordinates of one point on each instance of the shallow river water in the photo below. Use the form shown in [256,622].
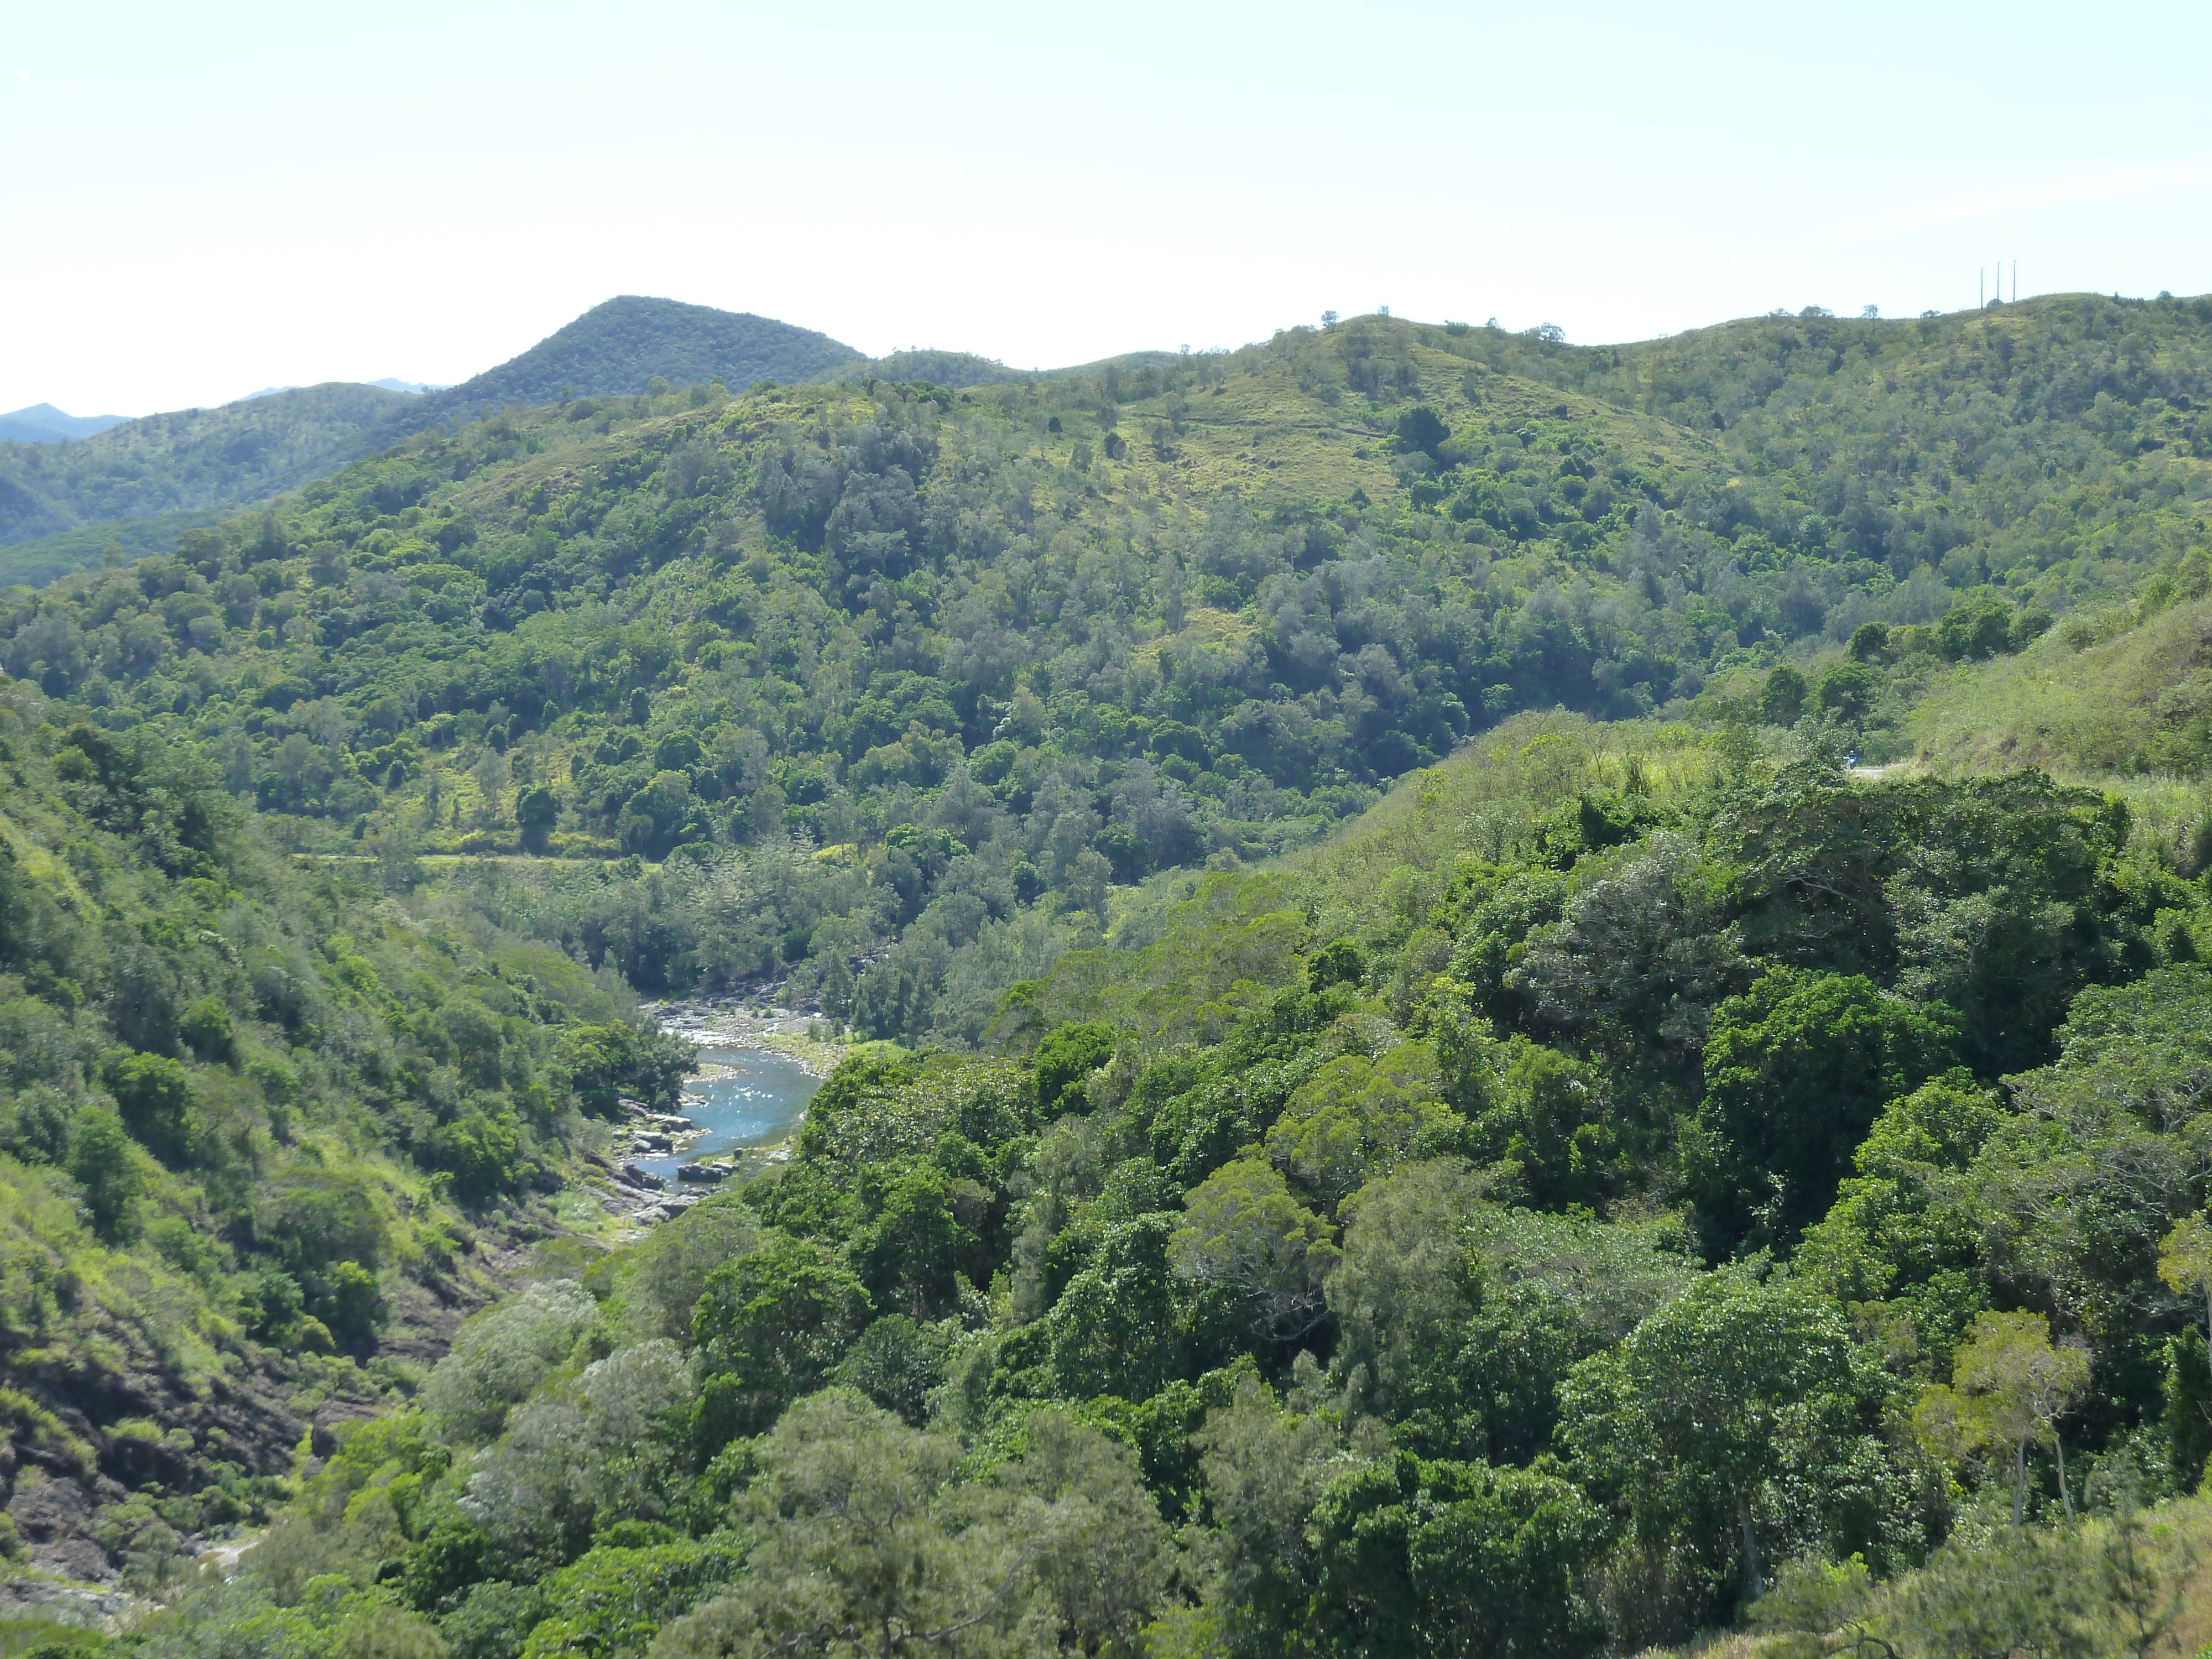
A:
[756,1095]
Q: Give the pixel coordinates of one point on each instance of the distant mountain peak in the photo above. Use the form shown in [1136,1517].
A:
[622,345]
[42,423]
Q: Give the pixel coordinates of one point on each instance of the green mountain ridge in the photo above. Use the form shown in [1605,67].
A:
[191,460]
[148,480]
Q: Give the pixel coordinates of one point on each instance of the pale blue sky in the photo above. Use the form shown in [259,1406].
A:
[200,202]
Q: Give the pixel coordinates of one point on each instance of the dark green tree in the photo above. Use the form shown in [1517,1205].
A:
[1406,1551]
[154,1095]
[1782,699]
[1063,1061]
[1684,1425]
[103,1160]
[770,1325]
[1796,1071]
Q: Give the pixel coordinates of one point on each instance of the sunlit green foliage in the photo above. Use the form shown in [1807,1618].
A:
[1635,1173]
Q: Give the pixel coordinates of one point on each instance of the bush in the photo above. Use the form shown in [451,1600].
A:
[1975,628]
[206,1030]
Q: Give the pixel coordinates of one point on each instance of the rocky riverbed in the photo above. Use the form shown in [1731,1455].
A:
[758,1063]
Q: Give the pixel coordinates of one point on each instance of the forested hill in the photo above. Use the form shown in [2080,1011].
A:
[149,481]
[901,665]
[1637,1180]
[193,458]
[169,465]
[42,423]
[624,344]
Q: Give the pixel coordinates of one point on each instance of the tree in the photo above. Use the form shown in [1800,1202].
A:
[1797,1070]
[1782,699]
[1545,1115]
[2184,1261]
[2184,1264]
[1869,641]
[600,1449]
[664,1273]
[1975,628]
[352,1304]
[105,1163]
[867,1544]
[1422,428]
[1064,1061]
[1706,1401]
[1644,952]
[1499,1558]
[1402,1292]
[615,1599]
[1357,1118]
[1244,1229]
[1849,690]
[1337,963]
[770,1325]
[1908,1224]
[1119,1326]
[1264,1469]
[2008,1388]
[206,1030]
[606,1063]
[537,810]
[502,1354]
[897,1362]
[154,1094]
[909,1253]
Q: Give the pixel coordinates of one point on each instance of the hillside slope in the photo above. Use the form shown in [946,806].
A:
[1366,1219]
[263,1141]
[42,423]
[261,447]
[1593,1200]
[2120,691]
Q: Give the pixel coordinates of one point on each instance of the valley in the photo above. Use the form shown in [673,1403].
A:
[1422,978]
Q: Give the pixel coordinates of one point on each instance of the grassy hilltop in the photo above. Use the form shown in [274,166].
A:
[1428,889]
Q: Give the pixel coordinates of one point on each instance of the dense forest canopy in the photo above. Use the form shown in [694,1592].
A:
[1490,1045]
[890,662]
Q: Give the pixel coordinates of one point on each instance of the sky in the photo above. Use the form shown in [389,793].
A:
[200,202]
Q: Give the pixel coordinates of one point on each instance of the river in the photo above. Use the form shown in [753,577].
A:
[747,1097]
